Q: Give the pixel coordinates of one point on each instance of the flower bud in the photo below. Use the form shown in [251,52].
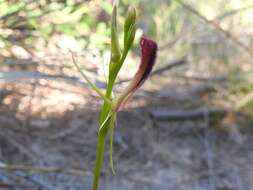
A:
[129,28]
[115,49]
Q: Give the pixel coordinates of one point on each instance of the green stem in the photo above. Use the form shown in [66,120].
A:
[99,160]
[102,136]
[106,110]
[102,133]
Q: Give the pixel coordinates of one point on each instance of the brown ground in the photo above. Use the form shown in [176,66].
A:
[50,124]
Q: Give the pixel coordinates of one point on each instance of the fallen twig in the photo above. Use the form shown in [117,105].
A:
[167,115]
[17,76]
[172,64]
[43,169]
[204,79]
[216,26]
[18,145]
[37,182]
[12,62]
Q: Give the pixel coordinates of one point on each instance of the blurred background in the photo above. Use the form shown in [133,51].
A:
[189,127]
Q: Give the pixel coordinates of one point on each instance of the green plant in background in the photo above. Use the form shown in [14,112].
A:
[112,105]
[44,19]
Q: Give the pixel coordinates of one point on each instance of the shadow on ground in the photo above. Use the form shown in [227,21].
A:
[45,126]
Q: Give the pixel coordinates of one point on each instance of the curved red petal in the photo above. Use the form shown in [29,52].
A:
[148,57]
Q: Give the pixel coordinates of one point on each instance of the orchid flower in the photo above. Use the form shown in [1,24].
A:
[148,56]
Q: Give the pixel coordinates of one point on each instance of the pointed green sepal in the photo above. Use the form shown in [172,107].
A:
[100,94]
[129,28]
[115,49]
[130,37]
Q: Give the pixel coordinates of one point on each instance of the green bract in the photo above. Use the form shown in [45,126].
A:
[115,50]
[129,28]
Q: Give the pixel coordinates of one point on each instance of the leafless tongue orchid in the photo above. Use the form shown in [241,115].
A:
[148,57]
[111,106]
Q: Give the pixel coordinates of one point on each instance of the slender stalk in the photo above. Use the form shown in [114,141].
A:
[106,110]
[99,160]
[102,133]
